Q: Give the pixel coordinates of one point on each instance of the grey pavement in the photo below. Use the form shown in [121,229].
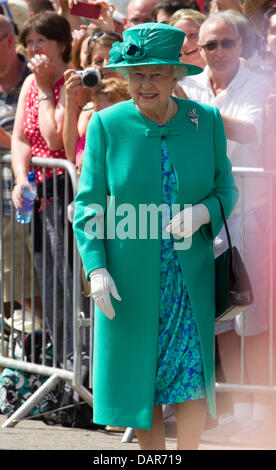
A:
[36,435]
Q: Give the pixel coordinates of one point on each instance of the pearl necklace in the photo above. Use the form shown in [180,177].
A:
[169,112]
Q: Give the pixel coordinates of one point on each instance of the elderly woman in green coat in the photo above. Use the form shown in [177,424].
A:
[146,214]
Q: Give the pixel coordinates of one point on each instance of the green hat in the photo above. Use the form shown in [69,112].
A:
[149,44]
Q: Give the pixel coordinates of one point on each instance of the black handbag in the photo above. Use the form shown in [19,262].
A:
[232,284]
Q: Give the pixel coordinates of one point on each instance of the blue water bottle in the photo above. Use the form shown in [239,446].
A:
[29,190]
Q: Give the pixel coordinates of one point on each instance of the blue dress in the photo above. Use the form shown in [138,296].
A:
[179,375]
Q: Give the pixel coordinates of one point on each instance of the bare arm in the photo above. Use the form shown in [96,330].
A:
[71,115]
[20,147]
[62,7]
[240,131]
[50,116]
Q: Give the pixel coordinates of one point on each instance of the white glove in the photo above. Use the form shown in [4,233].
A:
[101,286]
[189,220]
[70,211]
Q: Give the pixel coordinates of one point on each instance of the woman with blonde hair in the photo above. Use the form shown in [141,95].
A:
[189,21]
[98,48]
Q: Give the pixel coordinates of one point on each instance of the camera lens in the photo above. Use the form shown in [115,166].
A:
[91,77]
[90,80]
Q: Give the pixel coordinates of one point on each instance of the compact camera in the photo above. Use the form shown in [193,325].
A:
[90,77]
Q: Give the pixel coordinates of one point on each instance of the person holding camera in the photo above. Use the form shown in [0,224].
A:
[80,89]
[38,131]
[96,97]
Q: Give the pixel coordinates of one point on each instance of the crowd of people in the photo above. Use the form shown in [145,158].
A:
[226,52]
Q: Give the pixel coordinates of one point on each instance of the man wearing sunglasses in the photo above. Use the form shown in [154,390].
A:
[228,83]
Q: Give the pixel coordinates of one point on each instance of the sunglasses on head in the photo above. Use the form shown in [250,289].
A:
[101,33]
[225,43]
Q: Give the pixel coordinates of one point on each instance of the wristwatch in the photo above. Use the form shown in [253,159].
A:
[47,96]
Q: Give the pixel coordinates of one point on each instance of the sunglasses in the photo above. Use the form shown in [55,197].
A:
[101,33]
[225,43]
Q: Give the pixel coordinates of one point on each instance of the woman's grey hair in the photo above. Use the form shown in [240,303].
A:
[178,71]
[220,17]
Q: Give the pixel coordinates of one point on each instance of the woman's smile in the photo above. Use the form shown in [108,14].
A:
[148,96]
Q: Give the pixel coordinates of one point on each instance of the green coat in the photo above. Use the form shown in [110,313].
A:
[122,158]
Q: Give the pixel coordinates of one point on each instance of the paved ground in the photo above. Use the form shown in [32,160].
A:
[36,435]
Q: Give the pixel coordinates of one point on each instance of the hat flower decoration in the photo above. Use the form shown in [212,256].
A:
[129,50]
[133,51]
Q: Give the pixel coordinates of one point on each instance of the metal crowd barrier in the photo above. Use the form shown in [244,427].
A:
[83,322]
[57,371]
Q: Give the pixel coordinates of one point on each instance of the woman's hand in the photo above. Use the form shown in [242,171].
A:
[75,93]
[63,6]
[43,69]
[17,195]
[102,285]
[78,33]
[71,3]
[72,85]
[105,20]
[189,220]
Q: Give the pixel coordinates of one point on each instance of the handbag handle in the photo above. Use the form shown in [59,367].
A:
[225,225]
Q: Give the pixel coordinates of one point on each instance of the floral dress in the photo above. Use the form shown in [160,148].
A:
[179,375]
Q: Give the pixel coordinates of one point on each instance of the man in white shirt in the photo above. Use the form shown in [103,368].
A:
[239,94]
[227,83]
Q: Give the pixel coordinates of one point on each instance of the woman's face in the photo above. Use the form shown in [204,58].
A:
[100,58]
[271,35]
[190,49]
[38,44]
[150,86]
